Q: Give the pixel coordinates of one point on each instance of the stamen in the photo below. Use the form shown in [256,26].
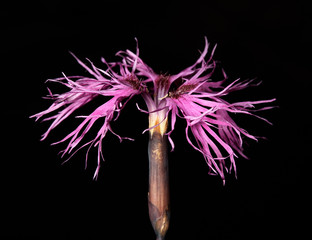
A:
[163,97]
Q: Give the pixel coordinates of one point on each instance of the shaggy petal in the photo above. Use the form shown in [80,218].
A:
[199,101]
[120,86]
[191,95]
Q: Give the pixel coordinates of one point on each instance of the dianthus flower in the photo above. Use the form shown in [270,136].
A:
[191,95]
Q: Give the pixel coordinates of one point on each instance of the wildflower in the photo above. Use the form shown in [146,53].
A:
[191,95]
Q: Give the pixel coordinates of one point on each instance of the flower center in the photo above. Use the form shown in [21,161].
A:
[185,88]
[135,83]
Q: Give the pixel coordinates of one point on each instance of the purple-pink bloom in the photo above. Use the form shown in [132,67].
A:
[191,95]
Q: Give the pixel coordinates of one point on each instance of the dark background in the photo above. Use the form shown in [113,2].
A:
[43,199]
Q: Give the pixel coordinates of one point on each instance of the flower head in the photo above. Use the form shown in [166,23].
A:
[191,95]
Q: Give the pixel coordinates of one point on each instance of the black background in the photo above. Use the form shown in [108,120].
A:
[41,198]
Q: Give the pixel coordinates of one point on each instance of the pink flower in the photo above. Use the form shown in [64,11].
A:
[191,95]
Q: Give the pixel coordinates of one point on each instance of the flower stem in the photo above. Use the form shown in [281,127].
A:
[158,196]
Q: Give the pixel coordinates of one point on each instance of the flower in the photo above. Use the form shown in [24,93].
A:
[191,95]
